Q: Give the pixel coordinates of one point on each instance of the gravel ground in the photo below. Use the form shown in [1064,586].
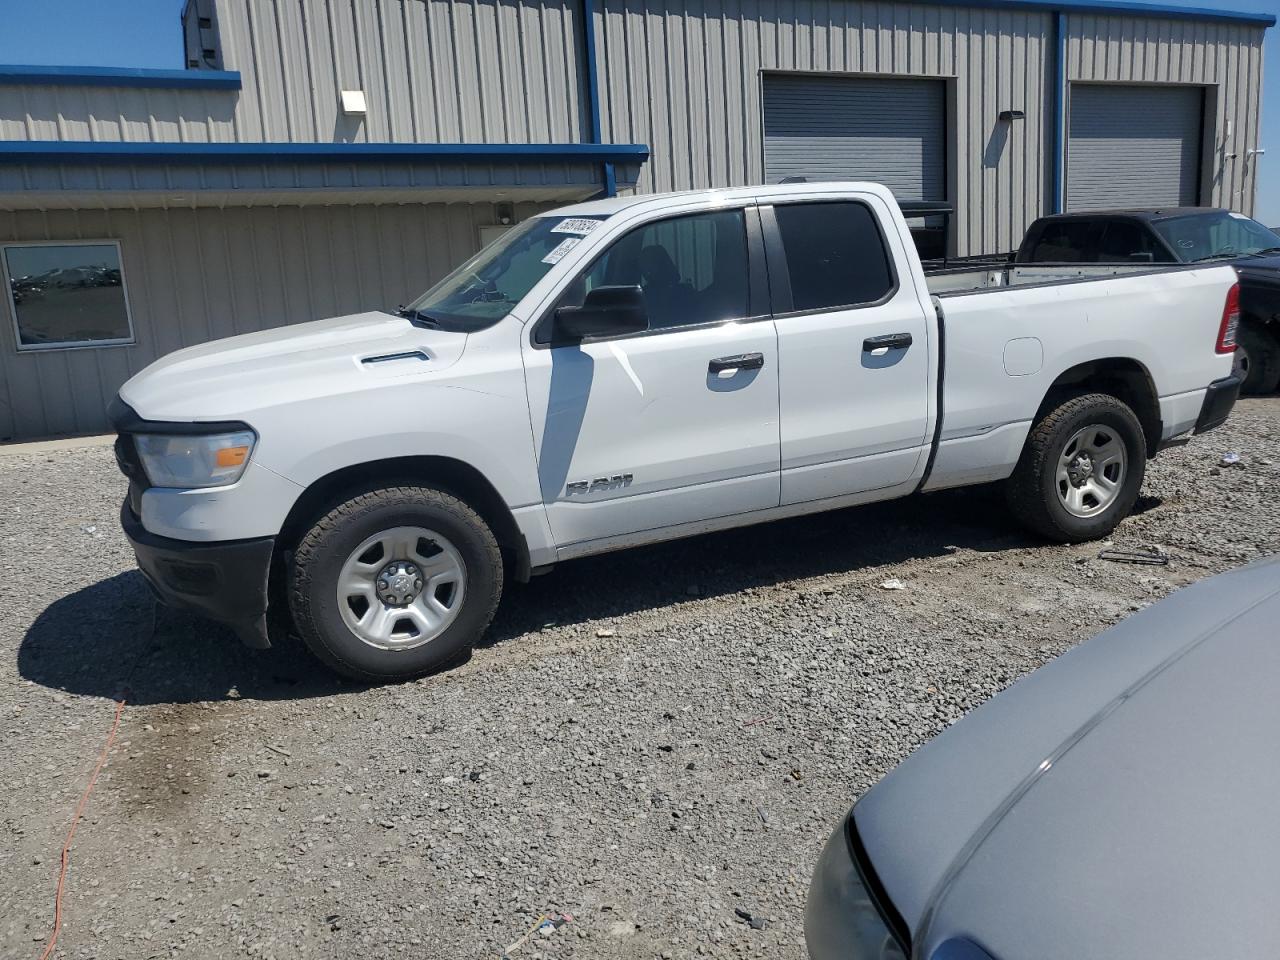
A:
[647,741]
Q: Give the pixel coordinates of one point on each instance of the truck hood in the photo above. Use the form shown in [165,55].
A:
[227,379]
[1117,802]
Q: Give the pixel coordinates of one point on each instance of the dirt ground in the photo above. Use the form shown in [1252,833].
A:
[645,741]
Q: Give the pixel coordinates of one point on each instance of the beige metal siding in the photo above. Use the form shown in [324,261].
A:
[473,71]
[686,79]
[37,112]
[433,71]
[195,275]
[1224,57]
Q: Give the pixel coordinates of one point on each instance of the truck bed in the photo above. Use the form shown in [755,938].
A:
[1008,334]
[971,278]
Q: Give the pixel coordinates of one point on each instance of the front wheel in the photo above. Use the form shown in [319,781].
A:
[1081,469]
[394,583]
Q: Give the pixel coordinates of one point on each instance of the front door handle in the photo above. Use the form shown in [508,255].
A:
[743,361]
[890,341]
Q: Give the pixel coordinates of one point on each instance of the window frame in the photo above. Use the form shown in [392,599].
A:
[782,300]
[757,282]
[130,340]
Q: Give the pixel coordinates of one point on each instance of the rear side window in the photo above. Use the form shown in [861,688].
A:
[1067,241]
[836,256]
[1124,241]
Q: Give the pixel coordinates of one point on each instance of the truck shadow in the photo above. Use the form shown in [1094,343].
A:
[100,641]
[719,564]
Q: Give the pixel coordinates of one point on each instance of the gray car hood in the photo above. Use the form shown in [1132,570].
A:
[1122,801]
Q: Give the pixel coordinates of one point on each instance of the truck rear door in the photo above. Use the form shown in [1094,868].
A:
[853,348]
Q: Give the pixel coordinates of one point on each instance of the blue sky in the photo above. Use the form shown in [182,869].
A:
[146,33]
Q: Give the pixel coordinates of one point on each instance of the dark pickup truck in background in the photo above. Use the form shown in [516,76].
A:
[1181,235]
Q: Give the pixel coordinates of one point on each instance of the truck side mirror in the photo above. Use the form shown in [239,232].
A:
[606,312]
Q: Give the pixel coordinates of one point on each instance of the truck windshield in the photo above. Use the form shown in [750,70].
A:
[1216,234]
[484,289]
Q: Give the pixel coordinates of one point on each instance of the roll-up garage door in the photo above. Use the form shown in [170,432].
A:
[1134,146]
[890,131]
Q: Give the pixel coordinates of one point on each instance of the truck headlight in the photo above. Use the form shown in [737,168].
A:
[841,919]
[210,460]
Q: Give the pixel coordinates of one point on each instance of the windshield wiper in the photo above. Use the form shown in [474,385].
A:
[1216,256]
[418,318]
[1263,253]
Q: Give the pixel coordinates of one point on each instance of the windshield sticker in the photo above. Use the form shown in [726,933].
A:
[579,225]
[563,247]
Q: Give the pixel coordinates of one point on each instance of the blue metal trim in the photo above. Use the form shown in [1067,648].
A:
[1104,8]
[593,84]
[80,151]
[594,125]
[1059,112]
[120,77]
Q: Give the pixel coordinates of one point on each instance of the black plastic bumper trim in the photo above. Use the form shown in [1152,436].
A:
[1219,398]
[224,581]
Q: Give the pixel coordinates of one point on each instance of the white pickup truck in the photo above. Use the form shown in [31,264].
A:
[636,369]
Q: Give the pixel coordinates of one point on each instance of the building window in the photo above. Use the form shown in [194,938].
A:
[67,294]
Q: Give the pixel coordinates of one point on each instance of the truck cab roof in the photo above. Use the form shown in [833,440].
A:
[1137,213]
[609,206]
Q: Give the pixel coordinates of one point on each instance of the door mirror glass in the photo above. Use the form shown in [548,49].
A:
[605,312]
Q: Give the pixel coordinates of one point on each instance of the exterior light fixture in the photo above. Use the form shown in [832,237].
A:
[1008,116]
[353,104]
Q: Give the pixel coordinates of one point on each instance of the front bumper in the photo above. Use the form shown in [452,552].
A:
[224,581]
[1219,398]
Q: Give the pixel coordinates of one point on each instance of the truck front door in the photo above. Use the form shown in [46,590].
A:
[853,346]
[673,425]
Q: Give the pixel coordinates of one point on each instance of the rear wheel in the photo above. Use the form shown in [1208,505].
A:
[1257,361]
[1081,469]
[394,583]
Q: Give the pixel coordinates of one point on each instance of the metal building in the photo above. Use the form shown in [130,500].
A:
[319,157]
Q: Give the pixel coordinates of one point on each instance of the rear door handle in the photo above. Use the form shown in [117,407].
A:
[743,361]
[890,341]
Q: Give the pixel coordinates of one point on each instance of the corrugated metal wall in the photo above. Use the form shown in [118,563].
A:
[685,78]
[474,71]
[38,112]
[193,275]
[446,71]
[1225,57]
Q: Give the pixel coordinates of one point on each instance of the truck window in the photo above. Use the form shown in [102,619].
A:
[1066,241]
[483,290]
[692,269]
[836,256]
[1124,241]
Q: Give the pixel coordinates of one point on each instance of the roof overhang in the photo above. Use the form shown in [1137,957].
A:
[81,151]
[38,175]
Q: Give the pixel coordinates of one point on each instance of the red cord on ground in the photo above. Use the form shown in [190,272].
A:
[75,821]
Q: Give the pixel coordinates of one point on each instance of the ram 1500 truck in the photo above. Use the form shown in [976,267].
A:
[632,370]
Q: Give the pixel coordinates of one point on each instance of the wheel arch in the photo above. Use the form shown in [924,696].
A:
[1126,379]
[453,476]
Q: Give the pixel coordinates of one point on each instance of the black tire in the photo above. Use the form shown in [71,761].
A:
[1257,358]
[326,547]
[1032,490]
